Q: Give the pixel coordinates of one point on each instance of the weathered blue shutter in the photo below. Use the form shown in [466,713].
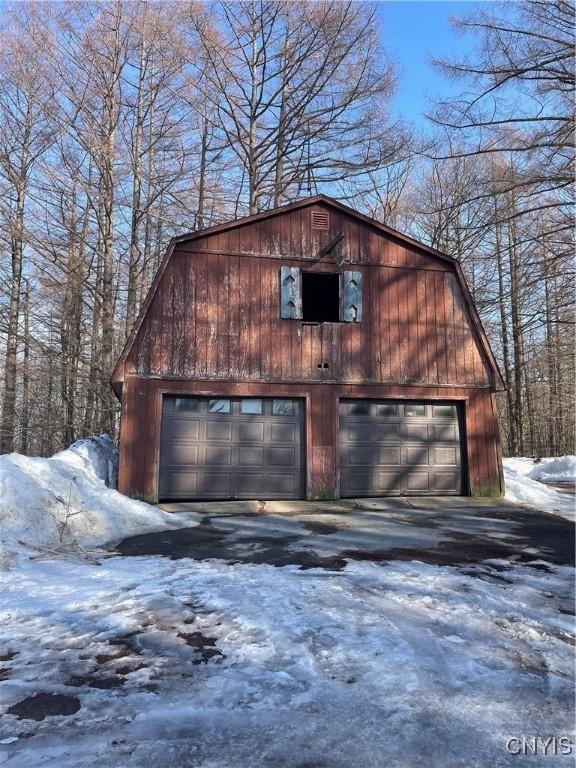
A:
[352,297]
[290,293]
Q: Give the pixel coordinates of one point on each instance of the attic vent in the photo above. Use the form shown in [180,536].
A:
[320,220]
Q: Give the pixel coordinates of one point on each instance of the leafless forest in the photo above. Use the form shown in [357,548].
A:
[125,123]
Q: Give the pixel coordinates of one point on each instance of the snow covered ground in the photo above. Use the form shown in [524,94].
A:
[532,483]
[221,665]
[147,661]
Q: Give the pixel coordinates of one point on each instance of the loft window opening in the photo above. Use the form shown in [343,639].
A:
[320,297]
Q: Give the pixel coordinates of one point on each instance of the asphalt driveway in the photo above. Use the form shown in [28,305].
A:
[440,531]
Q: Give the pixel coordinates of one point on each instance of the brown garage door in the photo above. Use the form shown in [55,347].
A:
[231,448]
[391,447]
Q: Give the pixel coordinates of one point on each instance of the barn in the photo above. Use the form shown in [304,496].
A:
[307,352]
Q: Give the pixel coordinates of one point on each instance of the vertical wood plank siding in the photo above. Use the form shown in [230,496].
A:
[214,327]
[141,417]
[218,317]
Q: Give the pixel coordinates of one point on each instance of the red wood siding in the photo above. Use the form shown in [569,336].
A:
[218,317]
[142,408]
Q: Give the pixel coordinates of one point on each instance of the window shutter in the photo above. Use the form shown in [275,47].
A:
[352,297]
[290,293]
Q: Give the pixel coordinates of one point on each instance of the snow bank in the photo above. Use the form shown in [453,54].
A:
[66,498]
[526,483]
[555,470]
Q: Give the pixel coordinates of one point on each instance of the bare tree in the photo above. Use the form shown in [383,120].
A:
[520,97]
[298,92]
[23,139]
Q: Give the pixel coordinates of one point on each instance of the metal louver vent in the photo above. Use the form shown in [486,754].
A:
[319,219]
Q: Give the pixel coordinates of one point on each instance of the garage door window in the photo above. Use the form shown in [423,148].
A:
[415,409]
[282,408]
[189,404]
[251,406]
[387,409]
[219,406]
[443,411]
[360,408]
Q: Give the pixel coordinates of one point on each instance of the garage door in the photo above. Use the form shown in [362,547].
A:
[231,448]
[398,447]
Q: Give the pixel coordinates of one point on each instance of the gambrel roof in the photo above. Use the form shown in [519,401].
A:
[329,203]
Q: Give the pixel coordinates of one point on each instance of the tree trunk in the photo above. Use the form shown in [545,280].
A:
[202,177]
[17,246]
[135,252]
[25,416]
[512,447]
[517,401]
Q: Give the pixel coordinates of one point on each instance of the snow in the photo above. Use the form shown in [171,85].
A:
[555,470]
[399,664]
[65,498]
[528,482]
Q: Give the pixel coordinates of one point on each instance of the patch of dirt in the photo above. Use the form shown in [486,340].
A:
[105,658]
[203,644]
[43,705]
[8,656]
[127,669]
[104,683]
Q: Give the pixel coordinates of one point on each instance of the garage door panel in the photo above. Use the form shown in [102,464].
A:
[248,449]
[217,455]
[356,481]
[251,432]
[182,429]
[361,455]
[184,482]
[369,431]
[416,431]
[446,482]
[413,455]
[359,432]
[250,457]
[214,483]
[283,433]
[280,457]
[384,432]
[445,455]
[417,481]
[393,447]
[389,456]
[444,433]
[283,483]
[178,453]
[218,429]
[250,484]
[387,482]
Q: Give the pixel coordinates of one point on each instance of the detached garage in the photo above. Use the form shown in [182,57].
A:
[307,352]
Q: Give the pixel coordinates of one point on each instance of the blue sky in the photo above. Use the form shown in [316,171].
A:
[413,32]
